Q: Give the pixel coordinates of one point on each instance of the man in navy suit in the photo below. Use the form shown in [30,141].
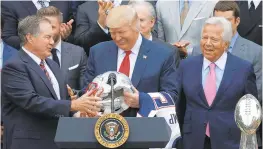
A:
[210,86]
[150,66]
[34,93]
[13,11]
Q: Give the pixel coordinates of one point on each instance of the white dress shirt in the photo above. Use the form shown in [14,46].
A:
[133,56]
[219,69]
[51,75]
[38,6]
[58,47]
[256,3]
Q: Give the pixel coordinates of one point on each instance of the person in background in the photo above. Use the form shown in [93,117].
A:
[147,17]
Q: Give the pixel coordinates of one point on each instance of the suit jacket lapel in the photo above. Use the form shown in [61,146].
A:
[34,66]
[174,11]
[194,10]
[239,47]
[110,58]
[65,58]
[141,63]
[58,77]
[30,6]
[199,79]
[227,78]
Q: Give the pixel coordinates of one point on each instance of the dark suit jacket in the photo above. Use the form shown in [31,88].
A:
[177,53]
[88,33]
[250,27]
[14,11]
[155,73]
[73,65]
[238,79]
[8,52]
[249,51]
[30,106]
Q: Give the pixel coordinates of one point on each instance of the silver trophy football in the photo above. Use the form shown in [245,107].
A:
[248,119]
[101,85]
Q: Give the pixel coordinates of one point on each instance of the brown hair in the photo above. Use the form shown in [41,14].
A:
[50,11]
[227,6]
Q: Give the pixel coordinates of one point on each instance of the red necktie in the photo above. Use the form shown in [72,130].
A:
[125,65]
[42,66]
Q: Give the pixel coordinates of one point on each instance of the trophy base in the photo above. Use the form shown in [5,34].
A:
[248,141]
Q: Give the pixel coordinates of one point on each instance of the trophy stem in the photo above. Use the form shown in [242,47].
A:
[248,141]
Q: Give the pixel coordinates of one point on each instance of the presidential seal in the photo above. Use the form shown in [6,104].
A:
[111,130]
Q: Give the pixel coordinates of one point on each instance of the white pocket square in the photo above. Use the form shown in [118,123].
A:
[260,26]
[199,18]
[73,67]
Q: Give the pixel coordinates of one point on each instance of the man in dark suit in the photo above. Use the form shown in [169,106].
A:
[147,17]
[250,26]
[13,11]
[239,46]
[72,59]
[210,85]
[149,65]
[34,94]
[90,22]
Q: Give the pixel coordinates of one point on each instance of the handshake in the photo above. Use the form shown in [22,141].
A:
[88,105]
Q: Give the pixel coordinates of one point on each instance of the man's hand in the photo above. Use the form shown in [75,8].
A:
[65,29]
[87,104]
[104,8]
[132,99]
[181,45]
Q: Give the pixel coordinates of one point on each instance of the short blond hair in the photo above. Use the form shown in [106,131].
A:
[120,16]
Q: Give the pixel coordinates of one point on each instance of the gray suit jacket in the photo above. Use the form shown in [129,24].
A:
[249,51]
[73,65]
[168,21]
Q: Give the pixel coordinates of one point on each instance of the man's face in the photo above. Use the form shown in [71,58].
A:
[43,42]
[229,15]
[55,23]
[146,21]
[212,43]
[125,37]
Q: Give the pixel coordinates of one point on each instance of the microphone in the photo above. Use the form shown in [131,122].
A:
[112,81]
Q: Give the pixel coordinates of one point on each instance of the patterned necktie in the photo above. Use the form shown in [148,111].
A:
[125,65]
[55,56]
[184,12]
[210,89]
[42,3]
[42,66]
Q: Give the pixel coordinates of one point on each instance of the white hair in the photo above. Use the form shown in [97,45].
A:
[224,24]
[146,5]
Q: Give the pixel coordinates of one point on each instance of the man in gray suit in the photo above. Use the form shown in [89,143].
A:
[180,22]
[71,58]
[239,46]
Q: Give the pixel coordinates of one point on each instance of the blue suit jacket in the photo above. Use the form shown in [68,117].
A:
[238,79]
[29,103]
[8,52]
[154,73]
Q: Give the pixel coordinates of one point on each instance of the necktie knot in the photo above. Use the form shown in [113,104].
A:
[41,63]
[212,66]
[55,56]
[128,52]
[53,51]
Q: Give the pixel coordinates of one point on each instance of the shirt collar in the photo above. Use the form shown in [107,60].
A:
[33,56]
[151,38]
[58,46]
[220,63]
[136,47]
[233,41]
[256,3]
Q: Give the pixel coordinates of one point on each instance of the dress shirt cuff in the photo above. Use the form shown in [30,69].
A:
[106,31]
[189,51]
[77,114]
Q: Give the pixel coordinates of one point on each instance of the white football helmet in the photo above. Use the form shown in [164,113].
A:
[122,83]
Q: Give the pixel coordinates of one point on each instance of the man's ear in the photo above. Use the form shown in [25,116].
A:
[237,21]
[29,38]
